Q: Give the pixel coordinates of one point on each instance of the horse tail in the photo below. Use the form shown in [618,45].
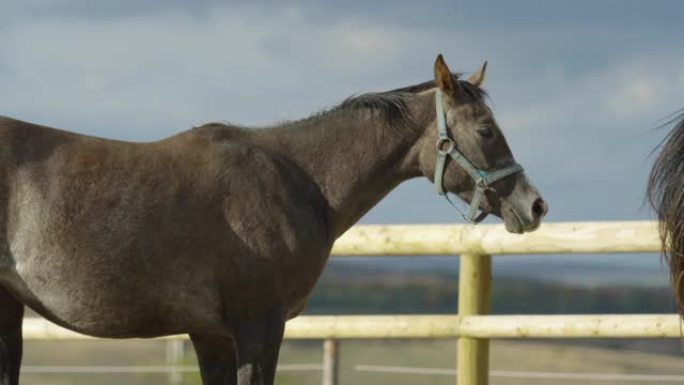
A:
[666,196]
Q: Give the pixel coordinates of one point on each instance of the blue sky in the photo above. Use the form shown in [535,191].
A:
[578,87]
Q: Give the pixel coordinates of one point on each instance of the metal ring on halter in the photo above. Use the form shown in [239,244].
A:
[483,179]
[440,143]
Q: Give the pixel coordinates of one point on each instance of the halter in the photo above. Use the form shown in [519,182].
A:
[483,179]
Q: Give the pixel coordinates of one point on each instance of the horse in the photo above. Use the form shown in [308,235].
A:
[666,195]
[221,232]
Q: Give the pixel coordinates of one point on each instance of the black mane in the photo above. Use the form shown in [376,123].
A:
[392,105]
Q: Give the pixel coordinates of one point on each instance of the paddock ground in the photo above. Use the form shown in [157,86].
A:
[521,358]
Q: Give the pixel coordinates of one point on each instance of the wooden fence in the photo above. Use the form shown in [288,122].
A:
[472,327]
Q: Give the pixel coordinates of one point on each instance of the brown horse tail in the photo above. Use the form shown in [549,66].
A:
[666,196]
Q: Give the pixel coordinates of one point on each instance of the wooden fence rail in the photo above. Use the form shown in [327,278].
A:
[551,238]
[471,326]
[441,326]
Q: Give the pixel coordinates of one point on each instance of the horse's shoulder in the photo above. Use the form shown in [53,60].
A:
[6,122]
[262,170]
[14,129]
[229,145]
[253,177]
[219,132]
[233,150]
[263,186]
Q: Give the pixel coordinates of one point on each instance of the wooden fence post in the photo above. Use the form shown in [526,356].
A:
[330,362]
[474,297]
[175,352]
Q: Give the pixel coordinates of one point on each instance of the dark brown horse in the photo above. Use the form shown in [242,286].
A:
[666,194]
[221,232]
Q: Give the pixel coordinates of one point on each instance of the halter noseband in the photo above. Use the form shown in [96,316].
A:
[483,179]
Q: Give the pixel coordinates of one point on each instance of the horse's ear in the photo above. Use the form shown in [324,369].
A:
[477,79]
[443,77]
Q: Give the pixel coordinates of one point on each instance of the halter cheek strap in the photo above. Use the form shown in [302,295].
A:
[483,179]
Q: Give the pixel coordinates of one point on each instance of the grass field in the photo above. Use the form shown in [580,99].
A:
[505,355]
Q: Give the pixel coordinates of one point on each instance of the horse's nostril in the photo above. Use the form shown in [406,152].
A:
[539,208]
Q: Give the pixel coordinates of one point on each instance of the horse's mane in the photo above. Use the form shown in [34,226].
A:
[393,105]
[393,102]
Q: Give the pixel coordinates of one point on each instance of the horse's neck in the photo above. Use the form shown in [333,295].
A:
[355,159]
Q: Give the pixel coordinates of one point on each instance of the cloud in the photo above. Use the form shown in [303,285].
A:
[641,87]
[154,69]
[576,95]
[618,99]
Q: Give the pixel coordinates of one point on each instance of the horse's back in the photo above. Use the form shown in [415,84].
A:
[179,228]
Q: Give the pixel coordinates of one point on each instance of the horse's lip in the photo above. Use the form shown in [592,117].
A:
[519,227]
[533,226]
[525,226]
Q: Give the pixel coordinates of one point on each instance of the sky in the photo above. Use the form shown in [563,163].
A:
[579,88]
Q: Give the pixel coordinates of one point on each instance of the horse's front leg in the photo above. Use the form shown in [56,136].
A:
[11,316]
[216,356]
[258,343]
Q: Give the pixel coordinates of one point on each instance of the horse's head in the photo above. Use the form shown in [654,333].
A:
[466,154]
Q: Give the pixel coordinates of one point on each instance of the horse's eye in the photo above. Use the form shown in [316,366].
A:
[485,131]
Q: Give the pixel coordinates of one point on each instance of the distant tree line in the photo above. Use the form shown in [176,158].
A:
[438,295]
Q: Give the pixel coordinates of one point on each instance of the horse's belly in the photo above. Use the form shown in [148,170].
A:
[109,311]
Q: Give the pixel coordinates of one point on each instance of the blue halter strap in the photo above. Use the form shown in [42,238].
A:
[483,179]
